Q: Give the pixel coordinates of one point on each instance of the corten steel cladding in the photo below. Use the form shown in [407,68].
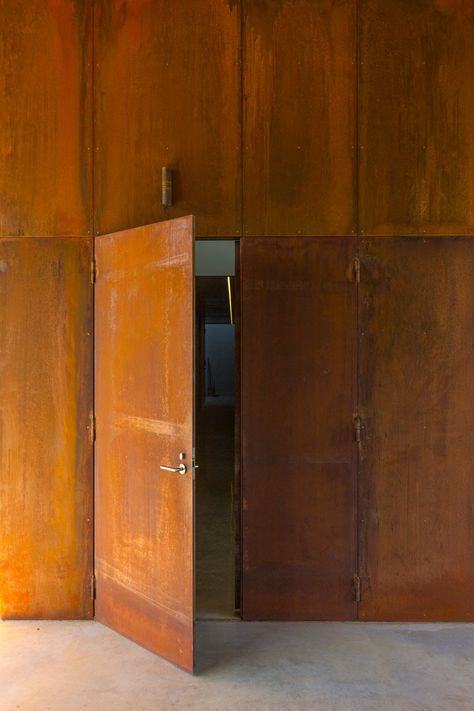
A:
[168,93]
[416,111]
[45,444]
[299,133]
[298,449]
[417,394]
[144,408]
[46,117]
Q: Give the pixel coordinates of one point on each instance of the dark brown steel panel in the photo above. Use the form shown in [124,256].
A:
[417,394]
[144,407]
[416,115]
[45,444]
[299,117]
[298,449]
[46,118]
[168,94]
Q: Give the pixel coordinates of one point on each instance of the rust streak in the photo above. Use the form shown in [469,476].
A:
[148,424]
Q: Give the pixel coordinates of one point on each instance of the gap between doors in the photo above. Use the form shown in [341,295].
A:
[217,498]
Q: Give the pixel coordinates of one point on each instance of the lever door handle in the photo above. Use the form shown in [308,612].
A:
[182,469]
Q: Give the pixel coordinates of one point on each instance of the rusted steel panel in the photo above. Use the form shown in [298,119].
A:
[298,450]
[168,93]
[45,445]
[417,394]
[416,115]
[299,117]
[46,117]
[144,406]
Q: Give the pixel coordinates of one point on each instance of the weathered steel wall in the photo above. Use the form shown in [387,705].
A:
[45,308]
[45,452]
[281,118]
[328,116]
[299,301]
[167,93]
[416,394]
[45,119]
[299,117]
[416,113]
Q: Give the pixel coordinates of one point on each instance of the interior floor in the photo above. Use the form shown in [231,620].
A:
[215,531]
[319,666]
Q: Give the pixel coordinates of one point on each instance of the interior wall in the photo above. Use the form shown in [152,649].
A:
[45,308]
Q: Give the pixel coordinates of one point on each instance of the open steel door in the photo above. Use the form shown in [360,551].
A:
[144,511]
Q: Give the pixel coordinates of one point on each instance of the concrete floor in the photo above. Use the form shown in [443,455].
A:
[69,666]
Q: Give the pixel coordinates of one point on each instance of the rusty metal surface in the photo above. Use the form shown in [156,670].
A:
[168,94]
[416,115]
[417,394]
[144,407]
[299,117]
[298,450]
[46,119]
[45,446]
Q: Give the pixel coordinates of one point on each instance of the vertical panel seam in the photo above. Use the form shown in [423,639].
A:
[357,531]
[93,169]
[242,118]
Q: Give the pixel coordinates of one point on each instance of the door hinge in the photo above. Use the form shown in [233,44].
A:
[93,427]
[357,422]
[93,268]
[357,588]
[356,268]
[93,586]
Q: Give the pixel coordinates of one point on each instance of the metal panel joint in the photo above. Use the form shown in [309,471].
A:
[93,427]
[357,422]
[356,267]
[93,270]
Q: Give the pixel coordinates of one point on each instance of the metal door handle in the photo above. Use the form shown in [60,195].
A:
[182,469]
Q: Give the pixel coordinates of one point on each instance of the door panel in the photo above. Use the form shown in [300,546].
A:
[298,449]
[416,114]
[45,444]
[168,93]
[144,410]
[300,79]
[417,394]
[46,117]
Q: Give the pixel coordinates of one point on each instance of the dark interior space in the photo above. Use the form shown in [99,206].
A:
[216,492]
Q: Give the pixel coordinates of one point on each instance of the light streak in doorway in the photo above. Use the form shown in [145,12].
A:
[230,300]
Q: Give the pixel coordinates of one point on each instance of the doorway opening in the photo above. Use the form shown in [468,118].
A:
[217,513]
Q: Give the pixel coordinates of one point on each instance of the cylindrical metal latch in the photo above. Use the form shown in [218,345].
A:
[166,186]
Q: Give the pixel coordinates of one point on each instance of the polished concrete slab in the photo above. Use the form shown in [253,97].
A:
[70,666]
